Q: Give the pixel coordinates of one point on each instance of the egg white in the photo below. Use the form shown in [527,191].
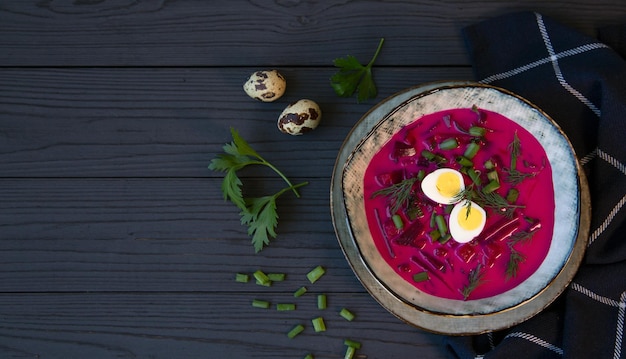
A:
[429,186]
[459,233]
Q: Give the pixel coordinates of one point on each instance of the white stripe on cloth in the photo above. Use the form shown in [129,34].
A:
[621,312]
[538,341]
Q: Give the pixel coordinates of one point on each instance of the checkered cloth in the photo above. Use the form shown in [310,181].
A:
[580,82]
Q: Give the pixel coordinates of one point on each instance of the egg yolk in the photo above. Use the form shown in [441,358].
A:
[470,220]
[448,184]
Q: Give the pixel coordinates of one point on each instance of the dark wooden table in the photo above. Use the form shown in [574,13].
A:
[115,241]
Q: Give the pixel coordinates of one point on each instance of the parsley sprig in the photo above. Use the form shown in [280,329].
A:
[352,76]
[258,213]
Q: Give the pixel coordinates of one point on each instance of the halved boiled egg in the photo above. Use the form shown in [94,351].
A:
[443,185]
[467,220]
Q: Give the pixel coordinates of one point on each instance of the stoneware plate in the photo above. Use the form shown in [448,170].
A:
[405,300]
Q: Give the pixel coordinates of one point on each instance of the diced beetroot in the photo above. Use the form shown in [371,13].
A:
[466,252]
[409,234]
[441,252]
[404,267]
[492,252]
[390,228]
[402,149]
[389,178]
[436,262]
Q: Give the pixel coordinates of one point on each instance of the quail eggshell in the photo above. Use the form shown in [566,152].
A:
[300,117]
[265,85]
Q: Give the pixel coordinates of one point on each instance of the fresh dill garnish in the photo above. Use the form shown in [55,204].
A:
[516,177]
[516,258]
[488,200]
[474,279]
[516,149]
[399,193]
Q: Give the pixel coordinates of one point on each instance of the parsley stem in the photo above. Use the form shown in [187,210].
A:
[292,187]
[380,46]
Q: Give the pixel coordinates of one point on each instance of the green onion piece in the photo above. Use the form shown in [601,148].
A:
[474,175]
[318,324]
[414,212]
[295,331]
[428,155]
[257,303]
[261,278]
[445,239]
[397,221]
[352,343]
[477,131]
[267,284]
[277,277]
[321,301]
[299,292]
[309,356]
[441,224]
[315,274]
[285,307]
[432,219]
[420,277]
[349,353]
[449,144]
[435,235]
[489,164]
[346,314]
[491,186]
[512,195]
[464,161]
[448,209]
[493,176]
[242,278]
[471,150]
[420,175]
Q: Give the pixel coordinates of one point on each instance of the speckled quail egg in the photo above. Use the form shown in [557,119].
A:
[265,85]
[443,185]
[300,117]
[467,220]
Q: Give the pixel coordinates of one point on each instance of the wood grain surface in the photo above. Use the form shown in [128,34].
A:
[115,241]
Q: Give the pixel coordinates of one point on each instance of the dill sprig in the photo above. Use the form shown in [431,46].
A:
[516,177]
[516,258]
[399,193]
[516,149]
[488,200]
[474,279]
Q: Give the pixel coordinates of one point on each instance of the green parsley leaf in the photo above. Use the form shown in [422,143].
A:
[353,77]
[258,213]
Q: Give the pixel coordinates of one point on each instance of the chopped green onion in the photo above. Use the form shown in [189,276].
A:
[493,176]
[474,175]
[489,164]
[242,278]
[441,224]
[309,356]
[321,301]
[512,195]
[346,314]
[414,212]
[257,303]
[262,278]
[491,186]
[295,331]
[349,352]
[449,144]
[277,277]
[445,239]
[397,221]
[420,277]
[299,292]
[471,150]
[448,209]
[352,343]
[266,284]
[315,274]
[420,175]
[428,155]
[464,161]
[285,307]
[435,235]
[477,131]
[318,324]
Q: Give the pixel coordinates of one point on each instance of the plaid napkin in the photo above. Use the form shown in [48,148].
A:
[580,82]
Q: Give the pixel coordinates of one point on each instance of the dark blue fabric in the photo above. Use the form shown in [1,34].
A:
[580,81]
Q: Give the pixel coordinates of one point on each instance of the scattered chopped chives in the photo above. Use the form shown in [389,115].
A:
[441,224]
[493,176]
[261,278]
[448,209]
[321,301]
[242,278]
[512,195]
[420,175]
[435,235]
[471,150]
[299,292]
[428,155]
[397,221]
[474,175]
[464,161]
[315,274]
[477,131]
[268,284]
[449,144]
[445,239]
[489,164]
[258,303]
[349,352]
[318,324]
[352,343]
[432,219]
[309,356]
[295,331]
[285,306]
[491,186]
[276,277]
[420,277]
[346,314]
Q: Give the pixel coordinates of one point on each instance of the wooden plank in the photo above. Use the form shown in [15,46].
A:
[170,122]
[156,234]
[253,33]
[197,325]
